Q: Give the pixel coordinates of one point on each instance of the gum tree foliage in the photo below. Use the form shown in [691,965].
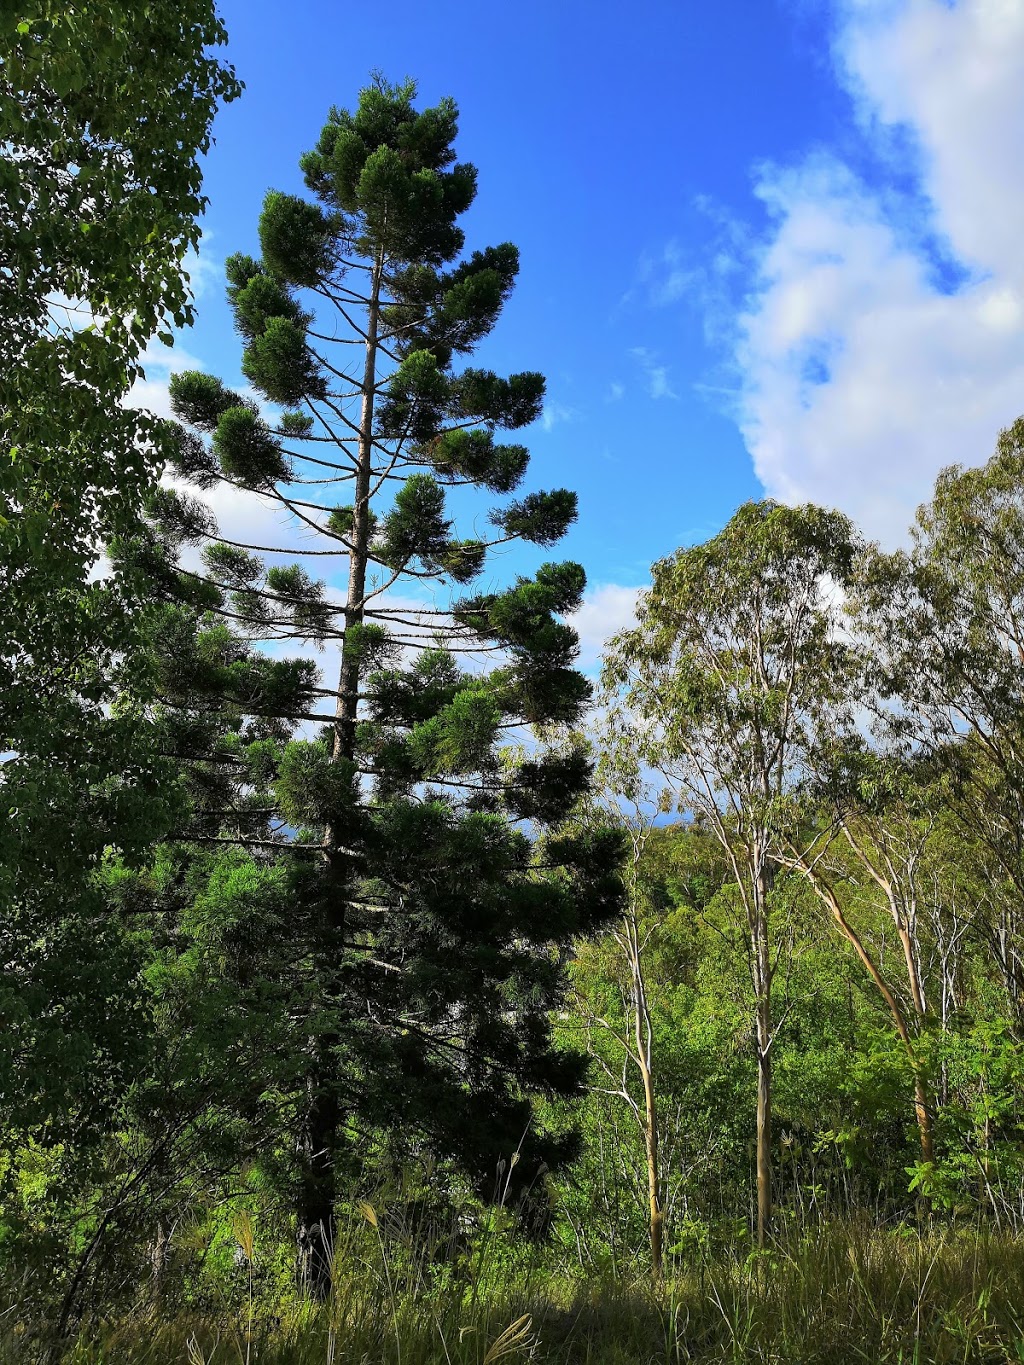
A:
[719,688]
[874,817]
[946,624]
[375,872]
[104,108]
[839,1093]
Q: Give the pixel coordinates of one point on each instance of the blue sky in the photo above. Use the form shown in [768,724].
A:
[767,245]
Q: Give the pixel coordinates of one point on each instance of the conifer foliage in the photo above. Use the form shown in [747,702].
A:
[368,859]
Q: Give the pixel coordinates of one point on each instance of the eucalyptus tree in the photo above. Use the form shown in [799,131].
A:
[380,870]
[626,1030]
[873,818]
[736,652]
[945,620]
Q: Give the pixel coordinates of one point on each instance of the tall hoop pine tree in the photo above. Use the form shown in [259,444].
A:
[403,877]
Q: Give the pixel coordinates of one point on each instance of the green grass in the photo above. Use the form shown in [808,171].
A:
[848,1294]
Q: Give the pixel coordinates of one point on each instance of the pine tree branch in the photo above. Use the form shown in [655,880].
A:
[275,549]
[283,845]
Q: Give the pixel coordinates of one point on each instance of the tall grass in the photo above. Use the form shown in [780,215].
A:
[850,1293]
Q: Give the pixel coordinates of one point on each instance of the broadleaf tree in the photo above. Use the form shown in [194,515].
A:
[629,1034]
[105,108]
[717,688]
[426,879]
[945,621]
[869,810]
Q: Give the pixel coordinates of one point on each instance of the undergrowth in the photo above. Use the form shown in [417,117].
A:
[848,1293]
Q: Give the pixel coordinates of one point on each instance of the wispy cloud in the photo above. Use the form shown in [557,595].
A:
[705,271]
[204,270]
[667,276]
[159,362]
[554,414]
[656,375]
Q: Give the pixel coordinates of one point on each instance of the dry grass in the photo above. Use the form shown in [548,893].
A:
[849,1294]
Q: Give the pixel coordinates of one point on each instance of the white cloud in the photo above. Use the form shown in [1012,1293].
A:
[554,413]
[606,609]
[670,276]
[865,370]
[202,268]
[254,520]
[658,383]
[159,362]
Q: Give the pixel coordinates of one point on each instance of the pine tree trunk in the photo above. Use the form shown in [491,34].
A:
[348,682]
[316,1225]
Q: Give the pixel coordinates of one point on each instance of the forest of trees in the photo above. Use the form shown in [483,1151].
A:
[373,984]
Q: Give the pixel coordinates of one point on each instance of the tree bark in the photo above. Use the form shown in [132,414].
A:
[158,1257]
[762,971]
[315,1224]
[922,1112]
[656,1211]
[922,1098]
[764,1124]
[318,1143]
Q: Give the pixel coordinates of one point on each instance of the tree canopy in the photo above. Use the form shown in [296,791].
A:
[105,108]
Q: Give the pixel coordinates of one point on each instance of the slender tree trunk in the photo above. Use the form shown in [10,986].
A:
[348,682]
[913,970]
[656,1211]
[643,1038]
[922,1112]
[317,1146]
[922,1097]
[763,1004]
[904,918]
[158,1256]
[764,1123]
[315,1230]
